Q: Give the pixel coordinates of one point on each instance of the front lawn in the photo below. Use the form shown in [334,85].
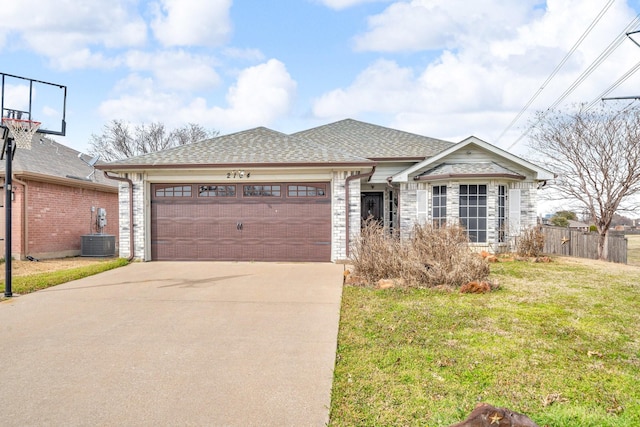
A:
[559,342]
[33,282]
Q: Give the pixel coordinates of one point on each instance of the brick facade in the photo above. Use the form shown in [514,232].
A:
[339,218]
[528,208]
[48,219]
[139,222]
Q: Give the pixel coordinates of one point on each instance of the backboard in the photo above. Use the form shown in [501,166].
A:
[29,99]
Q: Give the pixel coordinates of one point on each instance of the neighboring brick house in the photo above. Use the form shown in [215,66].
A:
[261,195]
[54,192]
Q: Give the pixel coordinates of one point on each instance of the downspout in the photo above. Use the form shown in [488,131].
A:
[25,223]
[346,196]
[128,181]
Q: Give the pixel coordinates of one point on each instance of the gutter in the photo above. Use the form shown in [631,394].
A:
[128,181]
[228,165]
[347,182]
[73,182]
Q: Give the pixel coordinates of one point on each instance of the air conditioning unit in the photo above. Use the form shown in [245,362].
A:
[98,245]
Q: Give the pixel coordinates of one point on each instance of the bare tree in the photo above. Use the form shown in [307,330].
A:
[596,156]
[120,140]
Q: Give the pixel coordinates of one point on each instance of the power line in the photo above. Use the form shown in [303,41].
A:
[595,64]
[618,82]
[558,67]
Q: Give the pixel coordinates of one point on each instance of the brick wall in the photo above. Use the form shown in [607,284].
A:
[138,218]
[408,206]
[339,218]
[56,216]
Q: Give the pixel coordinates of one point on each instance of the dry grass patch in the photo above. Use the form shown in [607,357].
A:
[431,257]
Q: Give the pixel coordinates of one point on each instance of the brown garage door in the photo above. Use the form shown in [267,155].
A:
[241,222]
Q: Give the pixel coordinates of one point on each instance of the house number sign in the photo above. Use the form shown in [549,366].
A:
[238,174]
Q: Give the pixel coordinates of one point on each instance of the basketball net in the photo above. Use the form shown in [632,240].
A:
[22,131]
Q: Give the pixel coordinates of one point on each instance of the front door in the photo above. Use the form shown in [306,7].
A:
[371,206]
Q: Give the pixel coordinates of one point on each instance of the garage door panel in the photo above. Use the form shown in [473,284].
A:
[272,228]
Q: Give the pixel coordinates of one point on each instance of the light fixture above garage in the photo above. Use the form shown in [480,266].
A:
[238,174]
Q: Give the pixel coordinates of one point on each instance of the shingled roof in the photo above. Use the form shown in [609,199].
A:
[49,159]
[373,142]
[259,146]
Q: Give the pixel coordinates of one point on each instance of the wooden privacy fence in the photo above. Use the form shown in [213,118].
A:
[582,244]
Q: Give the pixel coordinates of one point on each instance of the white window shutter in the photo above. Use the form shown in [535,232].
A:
[421,201]
[514,211]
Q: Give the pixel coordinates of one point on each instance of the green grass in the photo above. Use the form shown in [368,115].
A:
[35,282]
[633,249]
[559,342]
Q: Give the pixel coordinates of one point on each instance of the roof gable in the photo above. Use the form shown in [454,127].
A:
[373,142]
[539,173]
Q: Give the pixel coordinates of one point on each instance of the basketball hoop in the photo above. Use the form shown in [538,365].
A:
[22,131]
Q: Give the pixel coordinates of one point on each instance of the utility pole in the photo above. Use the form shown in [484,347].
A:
[619,98]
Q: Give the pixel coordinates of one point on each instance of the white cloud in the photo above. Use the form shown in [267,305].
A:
[59,28]
[382,87]
[16,96]
[192,22]
[261,95]
[440,24]
[246,54]
[490,71]
[82,58]
[176,70]
[344,4]
[140,101]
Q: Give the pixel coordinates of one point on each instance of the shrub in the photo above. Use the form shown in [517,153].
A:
[530,243]
[446,256]
[377,255]
[431,257]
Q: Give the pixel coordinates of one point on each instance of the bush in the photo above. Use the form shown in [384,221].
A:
[447,256]
[377,255]
[431,257]
[530,243]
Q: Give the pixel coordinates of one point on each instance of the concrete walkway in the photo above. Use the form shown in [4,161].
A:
[174,344]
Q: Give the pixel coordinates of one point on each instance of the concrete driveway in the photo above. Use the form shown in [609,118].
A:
[173,344]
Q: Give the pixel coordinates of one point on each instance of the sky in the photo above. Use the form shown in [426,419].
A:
[446,69]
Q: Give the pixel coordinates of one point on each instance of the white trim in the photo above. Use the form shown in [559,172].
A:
[513,204]
[421,206]
[541,173]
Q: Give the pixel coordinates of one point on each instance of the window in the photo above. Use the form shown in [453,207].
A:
[473,211]
[306,191]
[177,191]
[261,191]
[502,205]
[217,191]
[439,205]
